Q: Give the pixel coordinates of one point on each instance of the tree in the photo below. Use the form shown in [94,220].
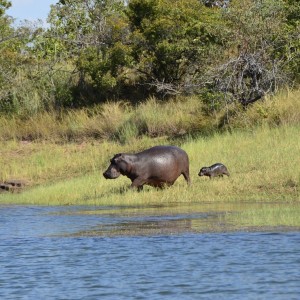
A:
[4,5]
[7,53]
[254,63]
[149,46]
[25,87]
[216,3]
[171,42]
[92,34]
[290,48]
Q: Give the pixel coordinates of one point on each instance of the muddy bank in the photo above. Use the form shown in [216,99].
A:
[13,185]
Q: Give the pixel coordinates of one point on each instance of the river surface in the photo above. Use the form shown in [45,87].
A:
[108,253]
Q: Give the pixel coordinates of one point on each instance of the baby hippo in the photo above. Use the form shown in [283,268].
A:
[214,171]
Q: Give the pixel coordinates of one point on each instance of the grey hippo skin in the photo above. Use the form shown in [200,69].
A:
[157,166]
[214,171]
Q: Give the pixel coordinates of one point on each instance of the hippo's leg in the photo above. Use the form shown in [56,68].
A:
[137,183]
[186,176]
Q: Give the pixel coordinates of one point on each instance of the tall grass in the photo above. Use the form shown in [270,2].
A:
[122,122]
[282,109]
[118,121]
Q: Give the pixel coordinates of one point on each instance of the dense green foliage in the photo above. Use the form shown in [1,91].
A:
[93,51]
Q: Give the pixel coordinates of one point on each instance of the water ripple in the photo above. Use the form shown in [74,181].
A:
[43,256]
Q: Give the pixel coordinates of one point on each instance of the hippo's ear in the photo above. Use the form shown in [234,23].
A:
[123,164]
[120,157]
[116,158]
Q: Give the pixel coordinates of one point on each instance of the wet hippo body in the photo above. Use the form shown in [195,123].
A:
[214,171]
[157,166]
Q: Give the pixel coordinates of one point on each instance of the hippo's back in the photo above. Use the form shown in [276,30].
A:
[164,163]
[158,150]
[218,169]
[164,155]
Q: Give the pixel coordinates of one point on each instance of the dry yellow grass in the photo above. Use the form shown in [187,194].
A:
[122,122]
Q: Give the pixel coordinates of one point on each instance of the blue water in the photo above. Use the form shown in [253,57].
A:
[41,257]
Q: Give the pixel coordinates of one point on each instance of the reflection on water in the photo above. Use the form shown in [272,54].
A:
[176,219]
[172,252]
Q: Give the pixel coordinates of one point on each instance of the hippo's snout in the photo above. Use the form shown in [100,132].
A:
[111,173]
[203,172]
[106,176]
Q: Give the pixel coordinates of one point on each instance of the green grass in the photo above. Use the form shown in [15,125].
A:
[277,215]
[263,164]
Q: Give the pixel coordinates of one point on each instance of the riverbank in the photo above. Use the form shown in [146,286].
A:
[260,147]
[263,164]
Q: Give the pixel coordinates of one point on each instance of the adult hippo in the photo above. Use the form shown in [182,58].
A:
[157,166]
